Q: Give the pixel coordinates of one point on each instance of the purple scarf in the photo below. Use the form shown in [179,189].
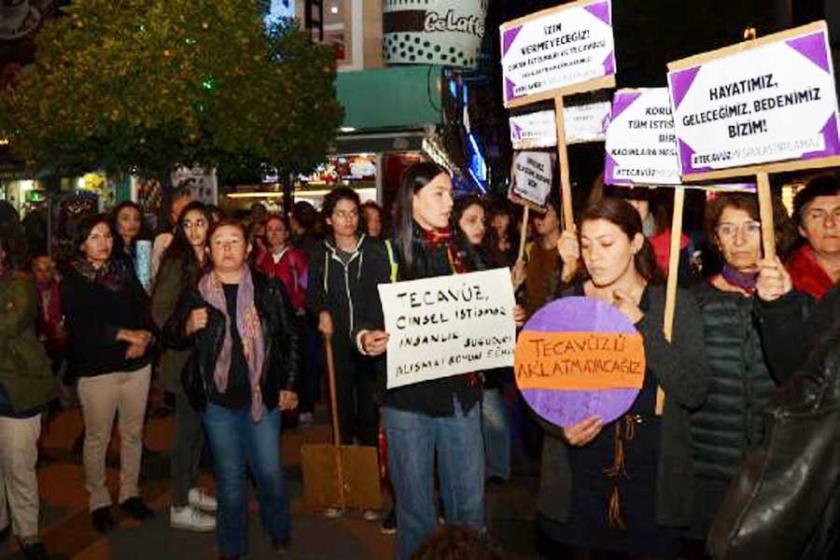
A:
[250,331]
[744,280]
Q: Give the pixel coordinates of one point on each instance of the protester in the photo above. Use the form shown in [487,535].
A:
[815,267]
[182,265]
[439,418]
[50,325]
[107,314]
[244,369]
[469,225]
[177,203]
[305,224]
[626,486]
[731,422]
[288,264]
[372,216]
[343,270]
[26,386]
[126,218]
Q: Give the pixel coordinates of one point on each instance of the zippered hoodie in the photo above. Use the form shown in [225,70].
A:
[348,291]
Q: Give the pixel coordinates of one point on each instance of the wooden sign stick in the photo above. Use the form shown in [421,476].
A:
[671,286]
[524,232]
[568,216]
[765,211]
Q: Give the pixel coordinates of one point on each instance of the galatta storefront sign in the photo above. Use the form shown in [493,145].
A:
[446,32]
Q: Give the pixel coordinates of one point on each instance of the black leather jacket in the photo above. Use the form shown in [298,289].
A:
[280,332]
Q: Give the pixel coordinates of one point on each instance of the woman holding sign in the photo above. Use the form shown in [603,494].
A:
[439,417]
[626,486]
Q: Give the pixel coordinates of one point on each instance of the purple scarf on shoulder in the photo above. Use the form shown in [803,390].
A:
[250,331]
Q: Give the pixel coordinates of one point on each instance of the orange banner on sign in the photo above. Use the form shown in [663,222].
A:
[574,360]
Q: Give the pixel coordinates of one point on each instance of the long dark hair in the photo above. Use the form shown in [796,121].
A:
[180,252]
[12,237]
[119,242]
[86,225]
[620,213]
[413,179]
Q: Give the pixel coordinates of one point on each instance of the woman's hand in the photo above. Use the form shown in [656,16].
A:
[627,305]
[773,280]
[139,337]
[325,324]
[375,343]
[583,432]
[288,400]
[519,315]
[197,320]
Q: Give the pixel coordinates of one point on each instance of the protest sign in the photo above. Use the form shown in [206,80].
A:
[532,177]
[641,147]
[557,51]
[579,357]
[764,101]
[584,123]
[448,325]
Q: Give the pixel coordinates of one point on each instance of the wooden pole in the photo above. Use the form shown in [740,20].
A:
[765,210]
[336,429]
[671,286]
[568,216]
[524,232]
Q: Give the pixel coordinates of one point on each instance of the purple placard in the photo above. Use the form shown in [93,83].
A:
[813,47]
[569,407]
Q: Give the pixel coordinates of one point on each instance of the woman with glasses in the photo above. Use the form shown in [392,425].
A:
[242,373]
[182,264]
[730,423]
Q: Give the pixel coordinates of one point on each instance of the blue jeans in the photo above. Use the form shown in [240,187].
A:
[234,439]
[413,439]
[495,427]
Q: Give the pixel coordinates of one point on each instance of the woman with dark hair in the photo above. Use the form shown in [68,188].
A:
[305,224]
[111,342]
[242,374]
[343,271]
[372,214]
[126,218]
[626,487]
[27,385]
[182,264]
[436,418]
[730,424]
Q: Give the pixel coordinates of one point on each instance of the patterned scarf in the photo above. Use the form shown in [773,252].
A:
[111,276]
[433,239]
[250,331]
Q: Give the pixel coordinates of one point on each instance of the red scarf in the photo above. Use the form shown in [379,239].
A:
[661,243]
[807,274]
[433,239]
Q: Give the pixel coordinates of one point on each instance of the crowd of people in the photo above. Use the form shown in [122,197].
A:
[235,320]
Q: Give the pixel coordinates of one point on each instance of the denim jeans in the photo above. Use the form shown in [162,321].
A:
[413,438]
[234,439]
[495,427]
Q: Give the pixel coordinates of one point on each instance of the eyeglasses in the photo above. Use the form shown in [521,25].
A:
[342,215]
[227,242]
[820,215]
[749,229]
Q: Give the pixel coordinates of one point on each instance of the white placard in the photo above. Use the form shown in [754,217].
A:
[773,102]
[641,146]
[557,48]
[448,325]
[583,123]
[532,176]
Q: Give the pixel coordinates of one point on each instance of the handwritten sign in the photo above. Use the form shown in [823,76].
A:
[448,325]
[770,102]
[584,123]
[555,48]
[641,146]
[532,177]
[579,357]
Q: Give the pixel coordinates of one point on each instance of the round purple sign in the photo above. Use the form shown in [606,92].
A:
[579,357]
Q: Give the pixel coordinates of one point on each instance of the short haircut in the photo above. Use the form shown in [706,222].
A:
[822,185]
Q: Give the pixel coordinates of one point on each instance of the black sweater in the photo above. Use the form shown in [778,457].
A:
[94,314]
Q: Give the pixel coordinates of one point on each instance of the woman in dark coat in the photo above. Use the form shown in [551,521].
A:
[626,487]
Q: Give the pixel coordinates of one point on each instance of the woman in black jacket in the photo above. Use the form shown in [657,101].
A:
[730,423]
[625,487]
[111,338]
[242,374]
